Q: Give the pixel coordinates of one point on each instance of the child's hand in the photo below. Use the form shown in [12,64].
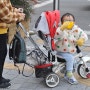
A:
[67,25]
[80,42]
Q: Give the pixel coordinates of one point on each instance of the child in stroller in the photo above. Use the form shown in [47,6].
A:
[67,37]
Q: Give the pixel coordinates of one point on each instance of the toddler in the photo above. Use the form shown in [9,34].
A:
[68,36]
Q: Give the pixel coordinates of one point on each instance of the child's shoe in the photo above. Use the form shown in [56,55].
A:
[70,77]
[71,80]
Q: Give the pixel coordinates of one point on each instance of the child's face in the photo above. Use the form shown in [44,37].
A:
[68,21]
[68,18]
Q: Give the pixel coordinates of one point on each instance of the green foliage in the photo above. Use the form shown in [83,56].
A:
[25,4]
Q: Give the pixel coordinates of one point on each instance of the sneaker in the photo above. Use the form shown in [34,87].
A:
[4,85]
[5,80]
[71,80]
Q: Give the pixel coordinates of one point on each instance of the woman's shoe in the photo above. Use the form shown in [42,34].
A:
[5,80]
[4,85]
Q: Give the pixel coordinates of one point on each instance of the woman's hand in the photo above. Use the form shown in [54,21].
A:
[18,10]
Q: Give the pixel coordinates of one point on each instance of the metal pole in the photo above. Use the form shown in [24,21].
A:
[56,4]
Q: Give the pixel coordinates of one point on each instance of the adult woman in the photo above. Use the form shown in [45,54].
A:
[8,14]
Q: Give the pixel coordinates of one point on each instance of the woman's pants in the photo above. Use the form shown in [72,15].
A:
[69,60]
[3,51]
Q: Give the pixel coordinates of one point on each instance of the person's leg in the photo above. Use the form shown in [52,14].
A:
[69,67]
[69,60]
[3,52]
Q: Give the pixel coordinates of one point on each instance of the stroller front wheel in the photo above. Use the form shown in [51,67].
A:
[52,79]
[82,71]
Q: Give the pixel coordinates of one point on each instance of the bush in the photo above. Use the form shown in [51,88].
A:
[25,4]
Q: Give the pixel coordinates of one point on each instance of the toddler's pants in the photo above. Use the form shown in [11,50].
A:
[69,60]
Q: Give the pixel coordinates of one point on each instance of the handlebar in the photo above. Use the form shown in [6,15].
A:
[78,49]
[18,24]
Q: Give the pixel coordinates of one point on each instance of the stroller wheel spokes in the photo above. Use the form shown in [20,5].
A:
[83,71]
[52,79]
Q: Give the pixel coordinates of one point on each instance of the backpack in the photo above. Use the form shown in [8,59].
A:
[17,49]
[17,52]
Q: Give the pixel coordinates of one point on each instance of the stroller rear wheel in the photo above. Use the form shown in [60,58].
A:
[52,79]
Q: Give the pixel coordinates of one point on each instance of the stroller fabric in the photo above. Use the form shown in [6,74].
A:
[48,23]
[53,18]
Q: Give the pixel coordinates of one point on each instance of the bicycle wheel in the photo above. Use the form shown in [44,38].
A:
[52,79]
[82,71]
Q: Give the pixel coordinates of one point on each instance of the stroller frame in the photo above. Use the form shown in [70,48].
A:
[53,64]
[44,68]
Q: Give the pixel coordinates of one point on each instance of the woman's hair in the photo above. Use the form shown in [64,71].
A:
[67,14]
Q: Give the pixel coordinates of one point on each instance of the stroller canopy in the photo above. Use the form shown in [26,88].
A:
[48,23]
[53,19]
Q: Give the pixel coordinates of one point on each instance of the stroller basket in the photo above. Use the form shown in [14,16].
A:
[43,70]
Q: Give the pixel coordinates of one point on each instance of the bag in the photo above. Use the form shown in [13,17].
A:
[17,52]
[17,49]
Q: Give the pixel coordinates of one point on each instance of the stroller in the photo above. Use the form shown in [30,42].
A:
[46,26]
[49,65]
[44,66]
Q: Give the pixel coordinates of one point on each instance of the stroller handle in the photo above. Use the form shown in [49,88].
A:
[19,24]
[78,49]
